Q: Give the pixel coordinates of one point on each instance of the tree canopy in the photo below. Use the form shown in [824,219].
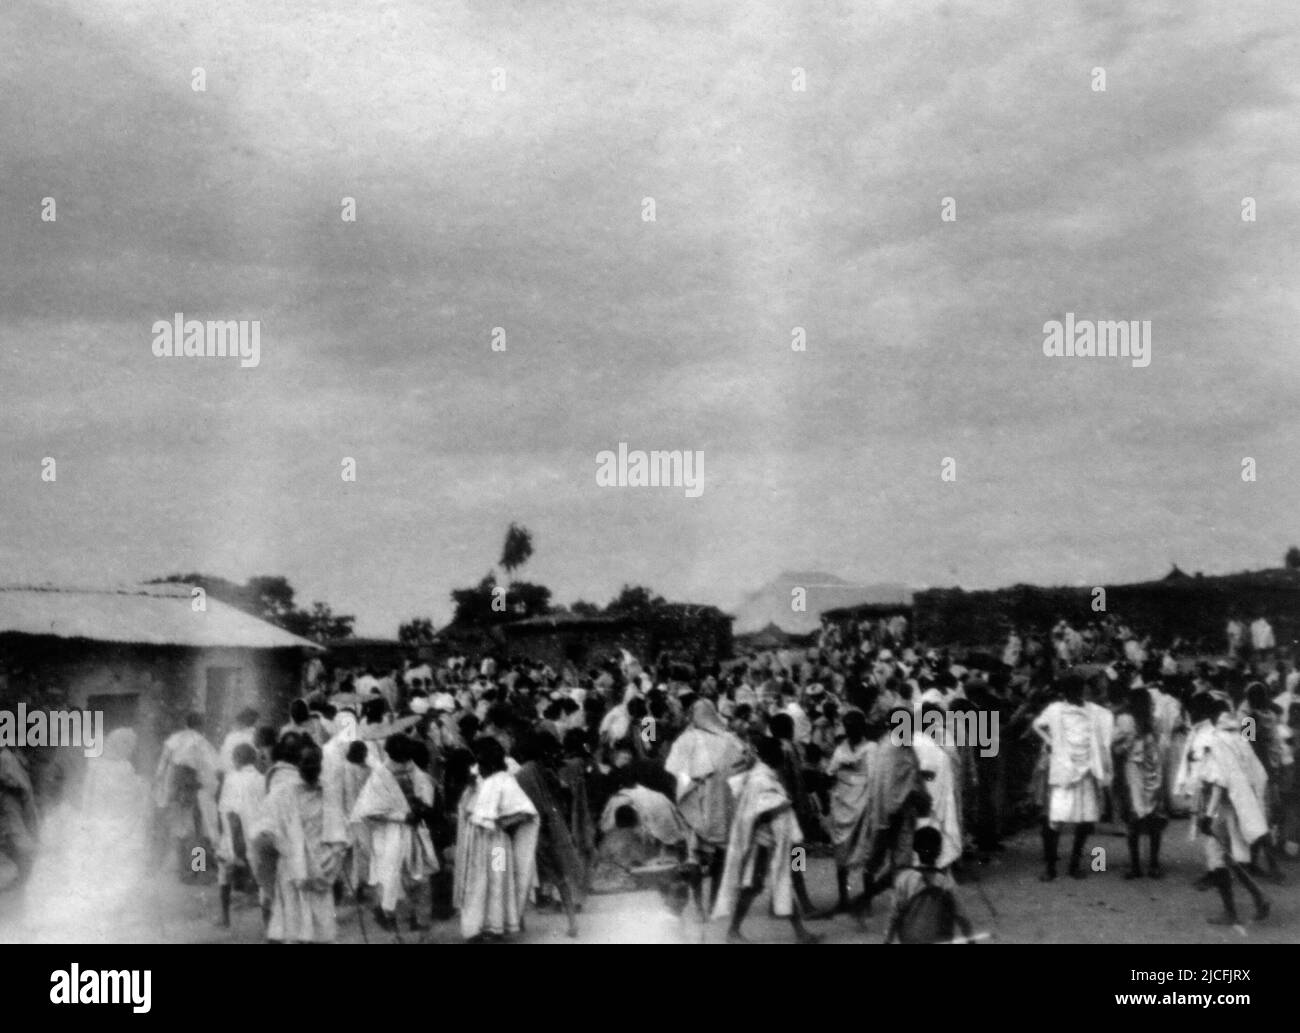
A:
[418,631]
[516,550]
[270,598]
[489,603]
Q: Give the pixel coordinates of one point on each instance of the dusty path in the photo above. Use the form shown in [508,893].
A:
[1103,908]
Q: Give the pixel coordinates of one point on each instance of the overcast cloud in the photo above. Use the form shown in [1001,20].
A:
[522,209]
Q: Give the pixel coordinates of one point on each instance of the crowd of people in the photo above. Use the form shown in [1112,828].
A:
[478,790]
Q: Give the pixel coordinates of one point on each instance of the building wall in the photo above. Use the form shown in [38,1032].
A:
[148,687]
[702,642]
[1195,609]
[581,648]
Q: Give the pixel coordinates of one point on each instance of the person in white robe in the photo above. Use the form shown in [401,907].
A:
[1140,790]
[394,804]
[19,817]
[616,724]
[185,789]
[496,849]
[940,783]
[1262,639]
[763,847]
[342,780]
[245,731]
[91,878]
[1232,817]
[849,765]
[802,722]
[298,849]
[702,760]
[239,805]
[1076,736]
[1170,721]
[657,817]
[1188,784]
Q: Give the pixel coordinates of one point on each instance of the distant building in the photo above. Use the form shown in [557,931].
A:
[812,592]
[699,635]
[380,655]
[772,637]
[866,612]
[145,657]
[1195,608]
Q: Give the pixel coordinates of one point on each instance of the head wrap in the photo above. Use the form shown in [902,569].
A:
[704,716]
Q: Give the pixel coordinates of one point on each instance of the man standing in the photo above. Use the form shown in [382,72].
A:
[760,848]
[300,844]
[1078,769]
[245,731]
[1262,640]
[303,722]
[185,788]
[558,862]
[395,803]
[1231,819]
[238,808]
[896,797]
[702,760]
[17,812]
[935,759]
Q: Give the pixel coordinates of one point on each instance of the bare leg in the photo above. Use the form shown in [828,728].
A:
[224,893]
[1134,852]
[1051,839]
[1153,866]
[715,877]
[1081,831]
[742,908]
[1260,901]
[800,931]
[566,898]
[1222,881]
[696,882]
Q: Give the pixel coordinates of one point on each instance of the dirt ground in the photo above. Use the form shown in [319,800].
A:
[1002,898]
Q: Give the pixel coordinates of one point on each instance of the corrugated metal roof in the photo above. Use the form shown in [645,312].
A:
[158,615]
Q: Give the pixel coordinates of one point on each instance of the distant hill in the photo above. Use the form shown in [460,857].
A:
[771,603]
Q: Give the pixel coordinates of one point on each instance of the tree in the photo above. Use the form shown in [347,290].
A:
[320,624]
[635,599]
[1292,560]
[524,599]
[269,598]
[517,550]
[585,609]
[487,603]
[473,606]
[215,587]
[272,597]
[418,631]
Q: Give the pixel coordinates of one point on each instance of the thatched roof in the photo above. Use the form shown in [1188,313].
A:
[157,615]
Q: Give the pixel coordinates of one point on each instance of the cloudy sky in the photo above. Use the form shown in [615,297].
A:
[522,208]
